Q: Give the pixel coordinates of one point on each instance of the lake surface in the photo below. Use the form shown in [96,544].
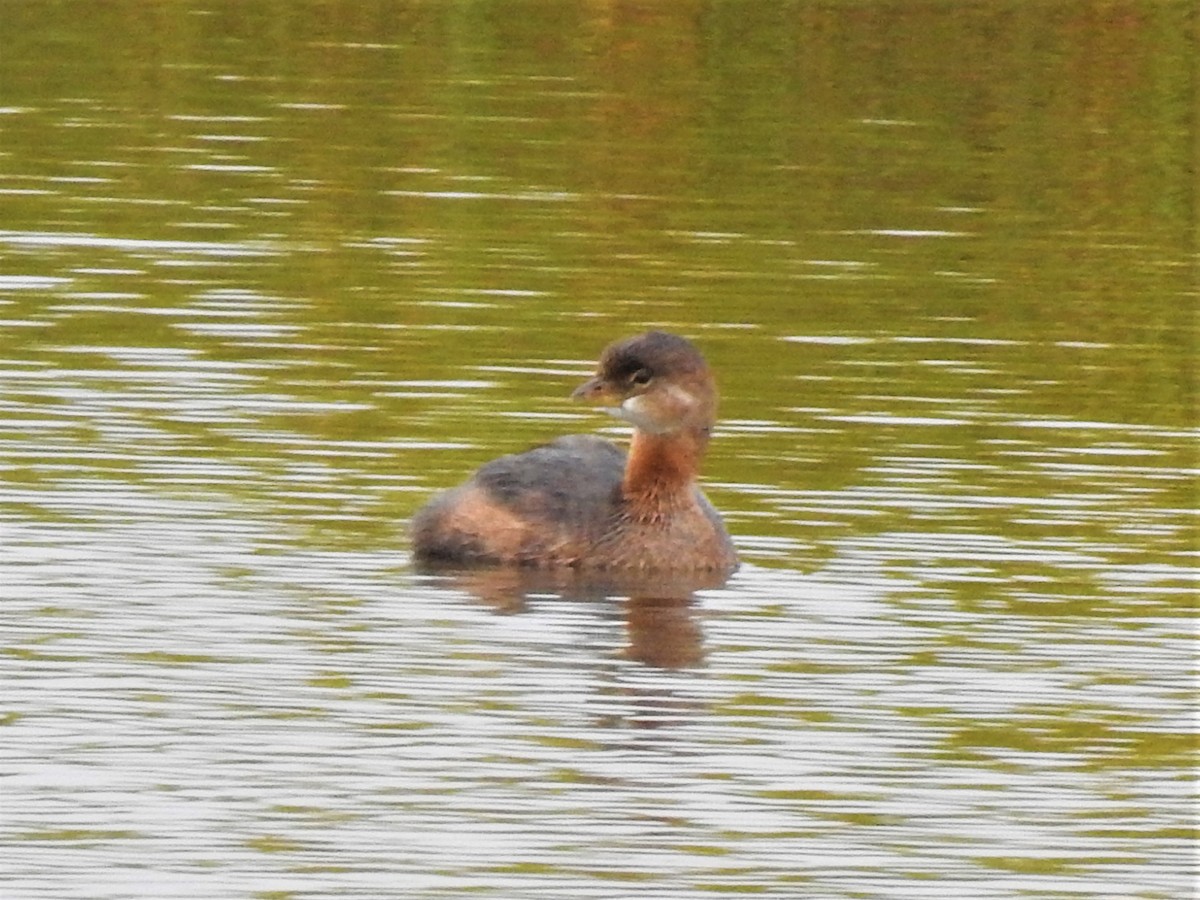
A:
[271,274]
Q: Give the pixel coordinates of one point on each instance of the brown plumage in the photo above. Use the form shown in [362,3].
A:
[580,501]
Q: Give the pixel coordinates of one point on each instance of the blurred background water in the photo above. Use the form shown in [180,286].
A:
[272,273]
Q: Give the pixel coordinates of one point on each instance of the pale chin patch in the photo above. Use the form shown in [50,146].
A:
[634,412]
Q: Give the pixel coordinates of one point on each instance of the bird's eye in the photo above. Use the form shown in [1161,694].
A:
[640,377]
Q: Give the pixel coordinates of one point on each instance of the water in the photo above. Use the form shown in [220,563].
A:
[269,276]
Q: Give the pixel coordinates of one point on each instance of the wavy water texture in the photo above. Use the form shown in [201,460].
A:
[271,274]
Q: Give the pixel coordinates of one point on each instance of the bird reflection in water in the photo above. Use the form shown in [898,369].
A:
[662,622]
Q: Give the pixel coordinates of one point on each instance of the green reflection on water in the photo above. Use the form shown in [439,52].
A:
[1065,732]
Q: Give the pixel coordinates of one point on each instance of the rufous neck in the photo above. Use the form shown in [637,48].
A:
[663,466]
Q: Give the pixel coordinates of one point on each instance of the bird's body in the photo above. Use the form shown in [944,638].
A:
[580,501]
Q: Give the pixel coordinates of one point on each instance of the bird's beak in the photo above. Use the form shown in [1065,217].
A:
[594,390]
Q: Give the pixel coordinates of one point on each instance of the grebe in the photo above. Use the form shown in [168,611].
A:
[580,501]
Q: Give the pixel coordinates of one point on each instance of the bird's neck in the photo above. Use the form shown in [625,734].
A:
[662,468]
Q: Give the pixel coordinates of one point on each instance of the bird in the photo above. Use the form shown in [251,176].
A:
[580,501]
